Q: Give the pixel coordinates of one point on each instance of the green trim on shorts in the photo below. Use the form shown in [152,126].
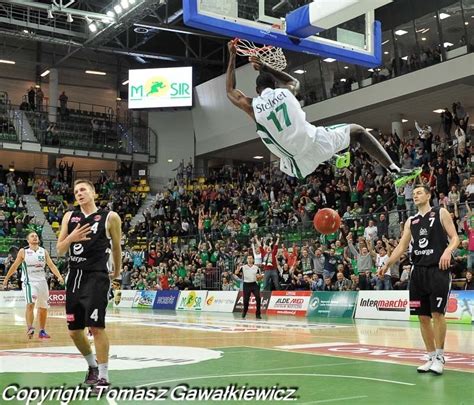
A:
[29,298]
[273,141]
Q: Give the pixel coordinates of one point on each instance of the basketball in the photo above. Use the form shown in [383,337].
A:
[327,221]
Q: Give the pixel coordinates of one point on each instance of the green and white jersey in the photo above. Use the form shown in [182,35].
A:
[33,266]
[282,125]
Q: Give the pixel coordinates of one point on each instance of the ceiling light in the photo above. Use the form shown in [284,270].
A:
[421,29]
[9,62]
[50,14]
[124,4]
[132,2]
[258,157]
[343,80]
[45,73]
[438,111]
[466,23]
[118,9]
[405,57]
[404,120]
[37,86]
[446,44]
[95,72]
[69,18]
[125,82]
[107,20]
[92,27]
[442,16]
[384,42]
[170,160]
[329,60]
[26,32]
[299,71]
[110,13]
[423,38]
[370,70]
[346,67]
[401,32]
[369,129]
[118,99]
[385,53]
[425,31]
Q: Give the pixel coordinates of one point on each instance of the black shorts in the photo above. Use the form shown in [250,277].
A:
[429,290]
[86,299]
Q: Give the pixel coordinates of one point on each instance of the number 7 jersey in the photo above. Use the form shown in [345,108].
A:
[92,255]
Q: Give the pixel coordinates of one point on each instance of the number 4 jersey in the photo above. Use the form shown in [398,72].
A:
[94,254]
[282,125]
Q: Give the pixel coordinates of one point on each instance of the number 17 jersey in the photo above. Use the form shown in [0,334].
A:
[282,126]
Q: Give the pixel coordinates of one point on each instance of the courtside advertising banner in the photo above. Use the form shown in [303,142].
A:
[386,305]
[289,303]
[144,299]
[460,307]
[12,299]
[57,297]
[220,301]
[265,299]
[166,299]
[191,300]
[123,298]
[329,304]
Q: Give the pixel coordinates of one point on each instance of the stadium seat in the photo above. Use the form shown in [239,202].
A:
[143,182]
[55,225]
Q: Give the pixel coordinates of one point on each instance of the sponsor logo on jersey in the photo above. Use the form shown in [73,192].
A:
[75,220]
[77,249]
[426,252]
[271,103]
[423,242]
[97,218]
[423,232]
[415,221]
[70,317]
[432,214]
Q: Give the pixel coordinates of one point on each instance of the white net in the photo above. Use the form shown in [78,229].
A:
[271,55]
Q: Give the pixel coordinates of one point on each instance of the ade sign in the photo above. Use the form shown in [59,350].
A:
[158,88]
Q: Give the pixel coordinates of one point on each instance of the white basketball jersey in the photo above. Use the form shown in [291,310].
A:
[33,267]
[282,125]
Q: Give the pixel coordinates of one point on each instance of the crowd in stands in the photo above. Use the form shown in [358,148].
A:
[198,232]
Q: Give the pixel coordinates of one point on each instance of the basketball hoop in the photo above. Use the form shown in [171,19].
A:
[271,55]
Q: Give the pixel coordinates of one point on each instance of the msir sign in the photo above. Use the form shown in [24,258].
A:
[157,88]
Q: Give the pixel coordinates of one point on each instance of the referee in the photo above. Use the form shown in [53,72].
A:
[433,238]
[250,274]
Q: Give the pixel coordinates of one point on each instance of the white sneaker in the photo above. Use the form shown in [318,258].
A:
[438,365]
[425,368]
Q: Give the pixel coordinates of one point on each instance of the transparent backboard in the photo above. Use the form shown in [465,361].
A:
[356,41]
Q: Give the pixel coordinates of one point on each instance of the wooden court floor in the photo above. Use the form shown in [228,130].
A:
[181,357]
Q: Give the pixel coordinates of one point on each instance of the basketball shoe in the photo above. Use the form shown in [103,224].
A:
[405,175]
[100,387]
[92,376]
[30,332]
[425,368]
[438,365]
[43,335]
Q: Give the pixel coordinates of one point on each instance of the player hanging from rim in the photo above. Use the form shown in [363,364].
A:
[33,261]
[282,125]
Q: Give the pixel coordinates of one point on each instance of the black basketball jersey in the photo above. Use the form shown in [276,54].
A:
[94,254]
[429,239]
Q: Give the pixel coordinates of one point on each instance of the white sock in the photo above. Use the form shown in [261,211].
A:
[394,168]
[90,358]
[104,371]
[440,352]
[432,354]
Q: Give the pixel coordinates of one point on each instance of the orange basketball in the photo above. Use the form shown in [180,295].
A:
[327,221]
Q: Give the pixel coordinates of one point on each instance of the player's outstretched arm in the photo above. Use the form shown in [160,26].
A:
[53,268]
[235,96]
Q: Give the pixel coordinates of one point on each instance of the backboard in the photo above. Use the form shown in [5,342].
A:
[357,40]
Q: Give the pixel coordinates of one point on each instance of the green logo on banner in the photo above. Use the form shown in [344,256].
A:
[328,304]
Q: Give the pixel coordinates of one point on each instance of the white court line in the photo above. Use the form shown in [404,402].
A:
[333,400]
[310,345]
[276,375]
[111,401]
[308,366]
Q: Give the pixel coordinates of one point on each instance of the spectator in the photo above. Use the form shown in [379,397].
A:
[342,283]
[63,104]
[31,98]
[469,285]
